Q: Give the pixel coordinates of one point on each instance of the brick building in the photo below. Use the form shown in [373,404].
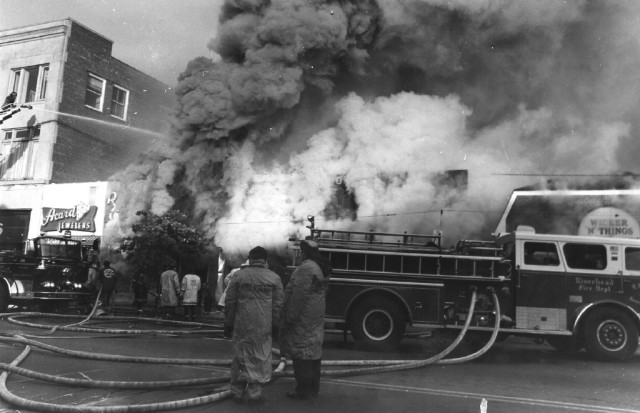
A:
[89,115]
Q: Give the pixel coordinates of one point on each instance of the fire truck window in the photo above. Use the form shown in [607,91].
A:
[339,260]
[586,256]
[429,266]
[632,259]
[375,262]
[541,253]
[356,262]
[392,263]
[411,265]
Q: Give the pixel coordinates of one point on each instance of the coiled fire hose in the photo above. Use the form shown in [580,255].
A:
[220,393]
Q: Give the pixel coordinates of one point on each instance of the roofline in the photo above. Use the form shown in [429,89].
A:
[502,224]
[526,235]
[51,23]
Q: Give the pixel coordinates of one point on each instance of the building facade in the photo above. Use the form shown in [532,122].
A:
[83,115]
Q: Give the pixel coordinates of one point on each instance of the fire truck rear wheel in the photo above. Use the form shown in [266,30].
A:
[4,297]
[377,323]
[610,335]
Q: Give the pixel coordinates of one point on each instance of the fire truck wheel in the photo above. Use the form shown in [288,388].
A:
[377,323]
[610,335]
[4,297]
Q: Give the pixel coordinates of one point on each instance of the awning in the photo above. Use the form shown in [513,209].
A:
[85,239]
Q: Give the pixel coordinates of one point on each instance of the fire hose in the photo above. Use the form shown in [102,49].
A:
[220,393]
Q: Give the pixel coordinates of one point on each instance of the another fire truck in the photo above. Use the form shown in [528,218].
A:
[50,272]
[573,291]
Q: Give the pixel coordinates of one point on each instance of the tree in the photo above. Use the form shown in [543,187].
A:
[162,239]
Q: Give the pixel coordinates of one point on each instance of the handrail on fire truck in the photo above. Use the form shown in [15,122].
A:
[410,254]
[430,242]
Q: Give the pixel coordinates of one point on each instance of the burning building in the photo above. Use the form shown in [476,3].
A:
[390,95]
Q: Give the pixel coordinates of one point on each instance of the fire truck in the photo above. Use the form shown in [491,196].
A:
[50,272]
[573,291]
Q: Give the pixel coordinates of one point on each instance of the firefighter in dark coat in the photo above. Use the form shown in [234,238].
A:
[252,307]
[302,321]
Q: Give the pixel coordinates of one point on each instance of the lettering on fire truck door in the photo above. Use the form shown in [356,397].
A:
[541,297]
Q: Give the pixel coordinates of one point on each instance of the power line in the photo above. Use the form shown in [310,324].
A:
[294,221]
[568,175]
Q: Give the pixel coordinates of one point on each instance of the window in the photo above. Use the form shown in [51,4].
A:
[119,102]
[540,253]
[586,256]
[95,92]
[30,83]
[17,153]
[632,259]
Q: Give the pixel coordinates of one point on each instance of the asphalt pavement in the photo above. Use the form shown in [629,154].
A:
[516,376]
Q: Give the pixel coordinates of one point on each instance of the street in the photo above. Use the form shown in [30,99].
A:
[516,375]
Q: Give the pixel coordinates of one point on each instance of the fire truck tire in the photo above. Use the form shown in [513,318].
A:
[4,297]
[610,335]
[377,323]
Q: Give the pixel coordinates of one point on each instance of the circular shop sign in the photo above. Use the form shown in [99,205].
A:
[609,222]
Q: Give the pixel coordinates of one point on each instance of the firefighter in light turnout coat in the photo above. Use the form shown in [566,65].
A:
[252,308]
[302,321]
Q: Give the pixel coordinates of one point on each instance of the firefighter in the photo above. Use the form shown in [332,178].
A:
[109,282]
[9,101]
[170,291]
[302,321]
[252,308]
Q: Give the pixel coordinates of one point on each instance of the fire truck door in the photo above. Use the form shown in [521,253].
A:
[541,298]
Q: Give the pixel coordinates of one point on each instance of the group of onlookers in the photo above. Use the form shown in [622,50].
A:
[187,293]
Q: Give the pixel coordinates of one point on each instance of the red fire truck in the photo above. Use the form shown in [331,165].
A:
[573,291]
[49,272]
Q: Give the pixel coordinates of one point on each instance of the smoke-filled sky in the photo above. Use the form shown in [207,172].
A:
[388,95]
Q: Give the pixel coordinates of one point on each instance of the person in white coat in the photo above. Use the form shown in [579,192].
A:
[170,291]
[190,287]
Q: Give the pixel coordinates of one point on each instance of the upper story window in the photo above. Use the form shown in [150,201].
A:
[119,102]
[94,97]
[30,83]
[18,153]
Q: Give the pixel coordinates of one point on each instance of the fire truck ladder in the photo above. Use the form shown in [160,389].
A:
[381,239]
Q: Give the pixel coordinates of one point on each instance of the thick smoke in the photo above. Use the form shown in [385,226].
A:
[389,95]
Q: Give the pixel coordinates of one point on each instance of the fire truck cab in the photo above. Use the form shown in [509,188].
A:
[49,272]
[579,290]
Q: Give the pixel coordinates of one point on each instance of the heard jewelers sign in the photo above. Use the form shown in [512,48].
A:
[609,222]
[79,218]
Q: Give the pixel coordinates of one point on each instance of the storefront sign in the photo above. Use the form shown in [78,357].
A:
[609,222]
[79,218]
